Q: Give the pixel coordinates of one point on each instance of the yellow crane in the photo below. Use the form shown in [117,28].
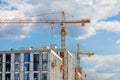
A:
[38,21]
[78,68]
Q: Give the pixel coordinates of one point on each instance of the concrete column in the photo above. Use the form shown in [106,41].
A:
[31,66]
[48,66]
[65,63]
[3,68]
[40,65]
[22,67]
[12,66]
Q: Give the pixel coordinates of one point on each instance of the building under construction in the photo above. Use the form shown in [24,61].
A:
[44,63]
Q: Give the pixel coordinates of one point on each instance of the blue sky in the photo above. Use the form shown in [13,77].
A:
[100,36]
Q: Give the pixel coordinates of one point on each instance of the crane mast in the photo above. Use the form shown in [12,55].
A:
[63,32]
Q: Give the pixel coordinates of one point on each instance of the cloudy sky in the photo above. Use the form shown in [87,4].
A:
[100,36]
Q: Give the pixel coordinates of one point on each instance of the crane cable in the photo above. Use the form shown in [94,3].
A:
[41,15]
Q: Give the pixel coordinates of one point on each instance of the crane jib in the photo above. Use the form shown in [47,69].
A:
[42,21]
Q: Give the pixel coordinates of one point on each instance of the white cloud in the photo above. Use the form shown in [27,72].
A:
[104,67]
[79,32]
[14,31]
[118,43]
[10,14]
[110,26]
[94,9]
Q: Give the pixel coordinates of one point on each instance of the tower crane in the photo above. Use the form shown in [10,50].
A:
[79,69]
[38,21]
[63,31]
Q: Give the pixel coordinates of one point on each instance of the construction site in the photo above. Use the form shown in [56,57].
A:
[45,62]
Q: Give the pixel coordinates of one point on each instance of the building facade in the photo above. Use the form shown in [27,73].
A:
[29,64]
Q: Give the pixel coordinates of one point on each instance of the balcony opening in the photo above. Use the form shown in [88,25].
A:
[35,76]
[7,67]
[17,57]
[26,76]
[0,67]
[17,76]
[36,62]
[17,67]
[7,77]
[36,58]
[8,58]
[36,66]
[44,76]
[0,58]
[44,66]
[26,67]
[44,56]
[0,76]
[26,57]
